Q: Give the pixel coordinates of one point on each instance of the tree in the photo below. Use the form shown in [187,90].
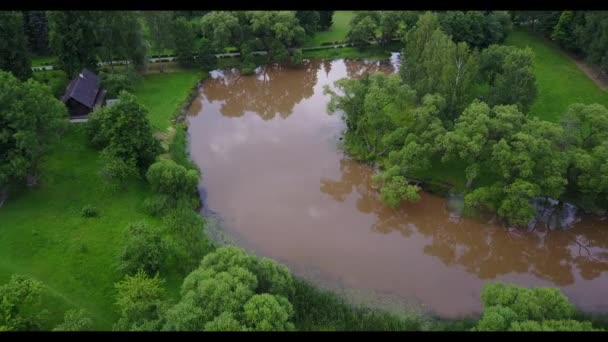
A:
[14,55]
[325,19]
[223,29]
[468,141]
[187,229]
[476,28]
[380,26]
[205,59]
[124,129]
[275,278]
[433,63]
[31,119]
[120,37]
[275,31]
[144,249]
[563,32]
[72,39]
[116,171]
[592,36]
[159,23]
[219,295]
[169,178]
[20,304]
[141,303]
[512,308]
[515,83]
[585,126]
[36,27]
[225,322]
[266,312]
[75,320]
[185,42]
[309,20]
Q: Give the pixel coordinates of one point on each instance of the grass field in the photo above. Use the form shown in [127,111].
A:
[43,235]
[337,32]
[560,81]
[162,93]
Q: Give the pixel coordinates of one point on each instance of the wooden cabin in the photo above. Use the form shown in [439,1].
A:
[83,94]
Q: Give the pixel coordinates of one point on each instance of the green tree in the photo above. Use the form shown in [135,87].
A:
[563,32]
[160,25]
[585,126]
[516,84]
[184,39]
[14,55]
[20,307]
[36,27]
[72,39]
[75,320]
[223,29]
[219,294]
[275,278]
[141,302]
[116,171]
[325,19]
[187,229]
[379,26]
[120,37]
[171,179]
[30,120]
[266,312]
[275,31]
[433,63]
[309,20]
[144,249]
[124,128]
[224,322]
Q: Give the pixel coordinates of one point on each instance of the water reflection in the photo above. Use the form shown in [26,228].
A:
[275,89]
[484,249]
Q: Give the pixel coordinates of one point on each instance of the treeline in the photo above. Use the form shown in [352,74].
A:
[409,123]
[82,39]
[582,32]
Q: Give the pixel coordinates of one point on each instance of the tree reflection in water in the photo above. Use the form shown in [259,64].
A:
[487,250]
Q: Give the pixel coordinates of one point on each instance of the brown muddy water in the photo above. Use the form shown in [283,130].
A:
[274,173]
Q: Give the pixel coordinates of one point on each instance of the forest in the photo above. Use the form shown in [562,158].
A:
[100,220]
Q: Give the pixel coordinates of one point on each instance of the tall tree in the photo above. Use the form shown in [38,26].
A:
[275,31]
[309,20]
[31,119]
[120,37]
[125,130]
[185,41]
[72,38]
[160,25]
[325,19]
[36,28]
[14,56]
[433,63]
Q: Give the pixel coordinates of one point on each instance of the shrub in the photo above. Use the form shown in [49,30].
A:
[156,205]
[144,249]
[169,178]
[116,171]
[88,211]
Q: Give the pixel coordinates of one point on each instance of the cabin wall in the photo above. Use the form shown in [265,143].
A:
[75,108]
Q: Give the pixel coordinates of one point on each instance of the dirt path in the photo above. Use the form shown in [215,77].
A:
[593,72]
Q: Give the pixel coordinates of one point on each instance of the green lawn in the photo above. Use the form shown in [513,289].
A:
[43,235]
[162,93]
[337,32]
[560,81]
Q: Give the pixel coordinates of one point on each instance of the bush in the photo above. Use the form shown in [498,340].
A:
[144,249]
[116,171]
[113,83]
[156,205]
[169,178]
[88,211]
[57,80]
[248,69]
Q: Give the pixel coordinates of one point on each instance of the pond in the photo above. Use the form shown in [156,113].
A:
[273,171]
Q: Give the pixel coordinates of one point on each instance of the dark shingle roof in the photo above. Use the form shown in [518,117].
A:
[84,89]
